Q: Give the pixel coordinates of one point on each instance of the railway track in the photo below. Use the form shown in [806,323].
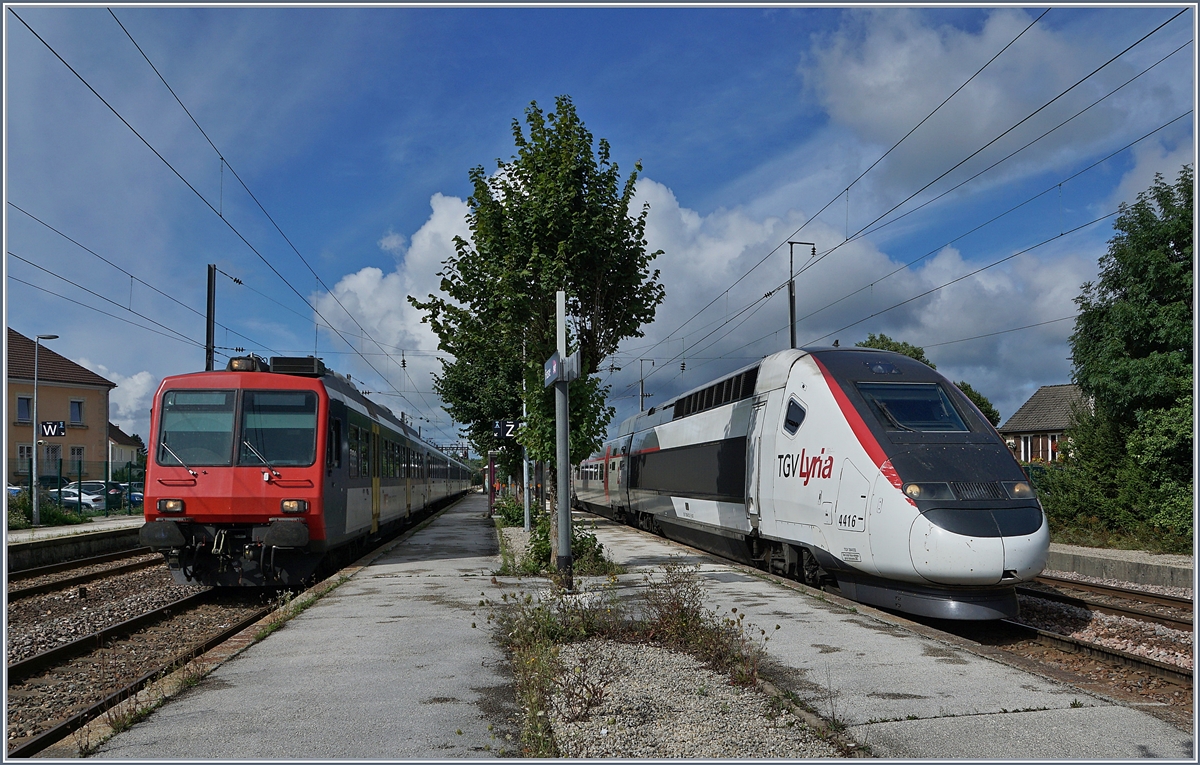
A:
[1173,612]
[54,693]
[60,576]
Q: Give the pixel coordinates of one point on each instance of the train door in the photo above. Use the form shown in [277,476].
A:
[760,446]
[406,467]
[850,542]
[375,487]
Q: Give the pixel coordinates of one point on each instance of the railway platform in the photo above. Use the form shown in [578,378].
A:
[394,664]
[388,666]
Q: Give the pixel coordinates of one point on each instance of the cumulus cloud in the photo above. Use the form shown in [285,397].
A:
[393,243]
[705,254]
[129,403]
[379,302]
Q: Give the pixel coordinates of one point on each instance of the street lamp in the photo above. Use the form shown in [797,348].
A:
[37,518]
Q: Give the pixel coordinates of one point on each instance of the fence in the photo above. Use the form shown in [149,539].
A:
[57,473]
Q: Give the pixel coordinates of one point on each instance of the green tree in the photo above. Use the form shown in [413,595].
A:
[885,343]
[1130,461]
[555,217]
[981,401]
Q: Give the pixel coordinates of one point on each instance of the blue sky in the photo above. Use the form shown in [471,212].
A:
[355,129]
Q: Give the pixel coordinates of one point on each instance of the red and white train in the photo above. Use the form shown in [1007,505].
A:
[848,465]
[258,473]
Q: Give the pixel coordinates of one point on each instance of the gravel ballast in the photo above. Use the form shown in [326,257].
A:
[661,703]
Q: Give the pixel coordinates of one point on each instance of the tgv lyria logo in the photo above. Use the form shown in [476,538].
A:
[802,466]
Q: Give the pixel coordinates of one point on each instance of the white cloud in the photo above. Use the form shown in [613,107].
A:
[129,403]
[393,243]
[1150,158]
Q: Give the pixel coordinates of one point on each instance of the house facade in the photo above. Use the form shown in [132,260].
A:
[123,451]
[67,393]
[1035,431]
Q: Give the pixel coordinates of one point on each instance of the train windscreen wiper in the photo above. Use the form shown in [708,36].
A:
[176,456]
[270,467]
[891,417]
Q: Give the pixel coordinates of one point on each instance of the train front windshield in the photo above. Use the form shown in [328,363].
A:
[912,406]
[271,428]
[279,427]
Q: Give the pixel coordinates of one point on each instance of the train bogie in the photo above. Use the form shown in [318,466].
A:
[853,466]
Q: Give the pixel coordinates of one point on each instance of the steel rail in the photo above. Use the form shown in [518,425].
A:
[63,729]
[1174,622]
[54,568]
[1117,592]
[22,670]
[1172,672]
[72,581]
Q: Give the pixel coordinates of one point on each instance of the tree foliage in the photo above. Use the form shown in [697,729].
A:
[1130,457]
[555,217]
[885,343]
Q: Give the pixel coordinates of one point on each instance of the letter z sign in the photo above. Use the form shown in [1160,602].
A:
[53,429]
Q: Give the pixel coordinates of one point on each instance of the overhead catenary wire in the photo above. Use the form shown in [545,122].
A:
[185,340]
[856,180]
[225,163]
[132,276]
[195,191]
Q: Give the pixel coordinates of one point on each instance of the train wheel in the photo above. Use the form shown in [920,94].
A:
[810,568]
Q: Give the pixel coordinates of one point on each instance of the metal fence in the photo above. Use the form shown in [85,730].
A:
[59,473]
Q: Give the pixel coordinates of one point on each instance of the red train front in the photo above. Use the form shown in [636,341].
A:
[234,488]
[256,474]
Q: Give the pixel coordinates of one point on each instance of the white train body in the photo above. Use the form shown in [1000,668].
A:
[848,464]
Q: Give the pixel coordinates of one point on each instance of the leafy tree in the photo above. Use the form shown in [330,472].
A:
[555,217]
[885,343]
[981,401]
[1130,461]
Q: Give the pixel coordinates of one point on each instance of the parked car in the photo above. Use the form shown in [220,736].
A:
[72,498]
[14,490]
[111,489]
[134,492]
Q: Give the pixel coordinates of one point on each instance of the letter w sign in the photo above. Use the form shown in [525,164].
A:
[53,429]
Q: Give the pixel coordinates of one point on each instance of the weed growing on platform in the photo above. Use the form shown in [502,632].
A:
[669,612]
[587,552]
[20,513]
[290,606]
[509,511]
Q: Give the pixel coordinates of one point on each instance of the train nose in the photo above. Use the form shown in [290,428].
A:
[945,557]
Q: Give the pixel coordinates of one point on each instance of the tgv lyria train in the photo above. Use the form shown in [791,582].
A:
[852,466]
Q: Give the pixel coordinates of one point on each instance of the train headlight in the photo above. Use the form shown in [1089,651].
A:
[928,491]
[293,505]
[1018,489]
[170,506]
[241,364]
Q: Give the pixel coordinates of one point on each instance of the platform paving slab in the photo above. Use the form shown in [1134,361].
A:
[868,671]
[386,666]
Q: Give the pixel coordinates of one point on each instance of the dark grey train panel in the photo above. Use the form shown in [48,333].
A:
[715,470]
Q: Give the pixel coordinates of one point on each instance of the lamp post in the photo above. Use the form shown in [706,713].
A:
[37,518]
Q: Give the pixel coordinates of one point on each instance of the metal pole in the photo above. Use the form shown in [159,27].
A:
[562,437]
[36,485]
[792,290]
[524,449]
[37,518]
[210,337]
[642,384]
[791,297]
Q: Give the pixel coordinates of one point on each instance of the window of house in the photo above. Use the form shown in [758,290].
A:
[76,464]
[76,412]
[48,462]
[1025,448]
[24,409]
[24,458]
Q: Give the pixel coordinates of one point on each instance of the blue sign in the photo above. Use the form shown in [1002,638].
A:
[553,369]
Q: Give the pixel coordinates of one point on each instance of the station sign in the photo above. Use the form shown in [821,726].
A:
[558,369]
[52,429]
[505,428]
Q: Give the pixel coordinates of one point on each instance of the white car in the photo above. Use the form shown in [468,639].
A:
[14,490]
[72,498]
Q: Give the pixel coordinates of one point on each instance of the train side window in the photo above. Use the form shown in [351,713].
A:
[794,418]
[333,446]
[354,451]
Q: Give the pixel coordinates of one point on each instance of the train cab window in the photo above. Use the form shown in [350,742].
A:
[196,427]
[279,427]
[912,406]
[794,417]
